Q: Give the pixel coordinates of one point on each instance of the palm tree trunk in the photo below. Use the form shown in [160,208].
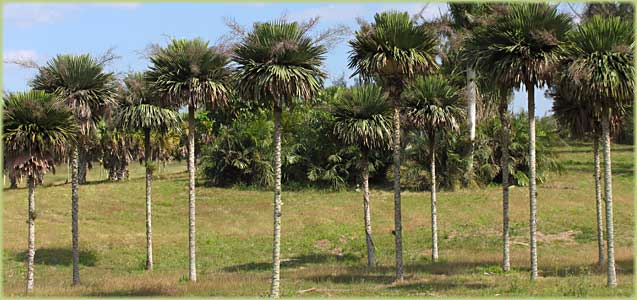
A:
[276,247]
[149,179]
[68,170]
[191,193]
[83,166]
[598,204]
[398,231]
[608,191]
[31,243]
[434,214]
[471,112]
[530,88]
[367,212]
[504,120]
[74,216]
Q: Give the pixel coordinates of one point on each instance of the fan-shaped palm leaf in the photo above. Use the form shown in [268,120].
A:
[279,62]
[522,46]
[362,117]
[433,104]
[37,128]
[393,48]
[190,72]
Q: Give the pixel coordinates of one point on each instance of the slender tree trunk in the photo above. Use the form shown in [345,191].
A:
[471,112]
[191,192]
[68,170]
[83,166]
[74,216]
[530,88]
[598,204]
[367,212]
[504,120]
[149,179]
[276,247]
[31,243]
[608,191]
[434,214]
[398,227]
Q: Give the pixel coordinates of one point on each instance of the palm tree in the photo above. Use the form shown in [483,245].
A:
[139,110]
[601,50]
[464,17]
[277,63]
[82,84]
[433,105]
[493,93]
[191,73]
[577,116]
[37,129]
[392,50]
[362,118]
[522,47]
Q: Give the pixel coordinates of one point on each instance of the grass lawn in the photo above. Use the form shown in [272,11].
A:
[323,243]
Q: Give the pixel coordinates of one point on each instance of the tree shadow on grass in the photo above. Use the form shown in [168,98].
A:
[136,292]
[621,267]
[292,262]
[59,257]
[438,285]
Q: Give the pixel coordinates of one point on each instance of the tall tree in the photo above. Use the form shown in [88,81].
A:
[577,116]
[190,73]
[464,17]
[500,96]
[602,56]
[435,106]
[81,82]
[392,50]
[139,110]
[37,129]
[363,119]
[522,47]
[278,62]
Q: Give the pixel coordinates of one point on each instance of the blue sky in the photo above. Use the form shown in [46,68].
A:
[40,31]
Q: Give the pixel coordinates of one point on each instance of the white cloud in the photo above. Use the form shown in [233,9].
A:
[330,12]
[121,5]
[20,55]
[29,14]
[26,15]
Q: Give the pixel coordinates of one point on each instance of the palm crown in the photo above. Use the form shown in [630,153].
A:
[432,103]
[393,47]
[362,117]
[37,128]
[279,62]
[82,83]
[190,72]
[139,107]
[522,46]
[601,52]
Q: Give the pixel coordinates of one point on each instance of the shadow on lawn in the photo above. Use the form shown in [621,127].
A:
[291,262]
[621,267]
[136,292]
[59,256]
[385,274]
[438,285]
[618,168]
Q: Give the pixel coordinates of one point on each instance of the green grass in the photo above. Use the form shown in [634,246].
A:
[323,242]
